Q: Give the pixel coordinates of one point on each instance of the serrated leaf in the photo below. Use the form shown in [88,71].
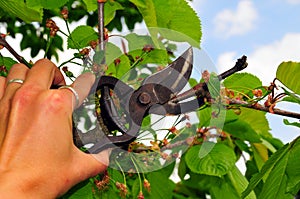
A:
[19,9]
[217,162]
[242,82]
[171,15]
[81,37]
[289,73]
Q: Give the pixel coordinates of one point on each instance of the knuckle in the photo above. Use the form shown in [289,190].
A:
[24,97]
[54,102]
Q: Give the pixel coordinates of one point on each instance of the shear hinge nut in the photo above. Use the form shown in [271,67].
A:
[144,98]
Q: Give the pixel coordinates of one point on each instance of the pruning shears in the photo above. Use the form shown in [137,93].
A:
[158,94]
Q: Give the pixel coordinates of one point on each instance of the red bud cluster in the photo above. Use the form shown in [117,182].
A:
[52,26]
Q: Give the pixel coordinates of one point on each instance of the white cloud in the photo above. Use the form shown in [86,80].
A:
[238,22]
[264,61]
[293,1]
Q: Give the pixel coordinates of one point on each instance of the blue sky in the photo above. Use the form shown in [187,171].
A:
[268,32]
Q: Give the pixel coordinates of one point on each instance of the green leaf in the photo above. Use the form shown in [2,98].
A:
[81,37]
[289,73]
[112,53]
[5,65]
[19,9]
[182,168]
[8,62]
[242,82]
[176,16]
[293,99]
[275,185]
[239,182]
[91,5]
[257,120]
[217,162]
[286,122]
[48,4]
[110,8]
[242,130]
[161,186]
[260,153]
[268,166]
[223,189]
[293,168]
[81,190]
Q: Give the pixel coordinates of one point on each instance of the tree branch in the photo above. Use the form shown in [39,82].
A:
[260,107]
[21,59]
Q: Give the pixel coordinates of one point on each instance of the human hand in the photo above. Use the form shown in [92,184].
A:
[37,156]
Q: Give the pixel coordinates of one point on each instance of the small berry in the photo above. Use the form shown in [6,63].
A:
[190,140]
[205,76]
[148,48]
[64,13]
[117,61]
[85,51]
[94,44]
[106,36]
[52,26]
[123,189]
[147,185]
[65,68]
[173,130]
[257,92]
[188,125]
[155,146]
[141,195]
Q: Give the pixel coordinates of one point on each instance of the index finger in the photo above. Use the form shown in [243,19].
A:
[44,73]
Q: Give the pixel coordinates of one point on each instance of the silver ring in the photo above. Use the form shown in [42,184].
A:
[20,81]
[74,93]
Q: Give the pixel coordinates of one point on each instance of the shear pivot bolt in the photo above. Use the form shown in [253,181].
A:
[144,98]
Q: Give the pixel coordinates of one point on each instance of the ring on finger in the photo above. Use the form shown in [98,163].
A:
[74,93]
[19,81]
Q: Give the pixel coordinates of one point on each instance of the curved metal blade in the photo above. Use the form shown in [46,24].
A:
[176,75]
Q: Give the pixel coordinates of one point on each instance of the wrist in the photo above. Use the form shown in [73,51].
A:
[21,185]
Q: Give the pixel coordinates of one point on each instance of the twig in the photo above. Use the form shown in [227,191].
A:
[260,107]
[199,89]
[101,24]
[21,59]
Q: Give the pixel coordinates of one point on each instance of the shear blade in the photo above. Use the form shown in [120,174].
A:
[174,77]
